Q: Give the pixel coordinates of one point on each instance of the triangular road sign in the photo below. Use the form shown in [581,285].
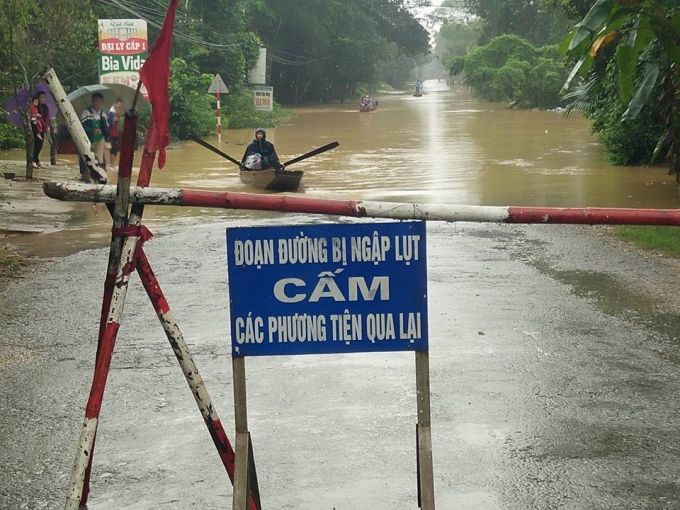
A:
[218,85]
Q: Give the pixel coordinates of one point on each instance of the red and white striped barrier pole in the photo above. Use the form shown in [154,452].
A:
[219,119]
[115,291]
[367,209]
[119,221]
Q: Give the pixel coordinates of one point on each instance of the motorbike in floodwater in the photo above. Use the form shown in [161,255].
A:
[368,105]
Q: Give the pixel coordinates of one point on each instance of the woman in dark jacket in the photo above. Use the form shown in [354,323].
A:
[44,119]
[268,157]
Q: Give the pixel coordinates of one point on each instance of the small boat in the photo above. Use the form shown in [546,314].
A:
[269,179]
[417,94]
[272,180]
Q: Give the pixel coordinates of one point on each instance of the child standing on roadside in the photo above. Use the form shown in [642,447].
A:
[36,119]
[37,128]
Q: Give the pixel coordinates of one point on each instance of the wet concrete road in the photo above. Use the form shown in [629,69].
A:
[554,385]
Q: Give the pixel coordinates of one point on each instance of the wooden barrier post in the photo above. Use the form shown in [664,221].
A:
[424,433]
[241,478]
[79,483]
[368,209]
[120,211]
[177,342]
[53,140]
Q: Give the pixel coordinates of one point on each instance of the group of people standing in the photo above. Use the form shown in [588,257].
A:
[103,131]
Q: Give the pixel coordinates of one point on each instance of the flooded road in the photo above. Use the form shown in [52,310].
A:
[554,350]
[443,147]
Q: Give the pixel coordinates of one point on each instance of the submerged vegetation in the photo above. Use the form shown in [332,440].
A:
[624,59]
[505,51]
[509,69]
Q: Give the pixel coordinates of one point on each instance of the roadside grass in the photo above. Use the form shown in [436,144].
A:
[664,240]
[12,265]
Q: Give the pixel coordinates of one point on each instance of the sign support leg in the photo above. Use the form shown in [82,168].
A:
[424,432]
[253,484]
[241,478]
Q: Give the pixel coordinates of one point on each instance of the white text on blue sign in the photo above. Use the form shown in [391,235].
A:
[327,288]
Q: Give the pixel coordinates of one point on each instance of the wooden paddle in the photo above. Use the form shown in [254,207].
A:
[226,156]
[309,154]
[215,150]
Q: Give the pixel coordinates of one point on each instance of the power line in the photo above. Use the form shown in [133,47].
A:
[157,24]
[272,55]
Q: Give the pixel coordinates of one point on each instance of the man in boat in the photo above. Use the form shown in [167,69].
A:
[261,154]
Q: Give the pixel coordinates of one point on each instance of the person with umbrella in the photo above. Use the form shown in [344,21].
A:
[42,126]
[94,122]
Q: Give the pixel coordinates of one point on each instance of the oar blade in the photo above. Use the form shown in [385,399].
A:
[205,144]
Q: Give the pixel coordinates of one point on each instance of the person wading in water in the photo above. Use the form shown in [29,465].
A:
[261,154]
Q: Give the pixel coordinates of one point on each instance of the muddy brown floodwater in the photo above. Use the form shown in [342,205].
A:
[443,147]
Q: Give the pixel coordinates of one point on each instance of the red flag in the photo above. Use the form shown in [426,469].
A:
[155,74]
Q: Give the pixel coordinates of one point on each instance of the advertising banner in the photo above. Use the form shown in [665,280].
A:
[123,48]
[264,98]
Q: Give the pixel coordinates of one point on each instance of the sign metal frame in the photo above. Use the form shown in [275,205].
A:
[245,477]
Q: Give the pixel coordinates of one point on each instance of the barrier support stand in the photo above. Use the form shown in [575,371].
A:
[424,433]
[245,478]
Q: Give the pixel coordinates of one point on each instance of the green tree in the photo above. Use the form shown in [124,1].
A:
[324,50]
[35,35]
[538,21]
[510,69]
[456,39]
[398,69]
[10,136]
[642,39]
[191,110]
